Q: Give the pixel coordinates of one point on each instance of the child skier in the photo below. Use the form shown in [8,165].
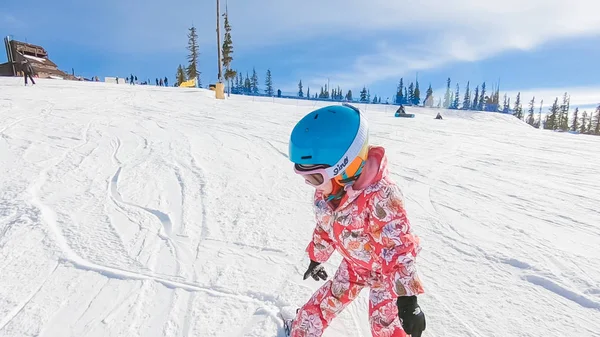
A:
[360,214]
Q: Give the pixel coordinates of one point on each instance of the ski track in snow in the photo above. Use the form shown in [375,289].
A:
[144,211]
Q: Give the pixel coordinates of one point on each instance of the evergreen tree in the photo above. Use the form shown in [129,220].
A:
[518,110]
[597,122]
[531,115]
[363,94]
[228,51]
[481,104]
[400,92]
[563,123]
[428,97]
[405,99]
[269,84]
[456,103]
[374,99]
[349,96]
[411,94]
[240,83]
[416,95]
[180,75]
[447,98]
[506,105]
[247,85]
[192,68]
[590,129]
[308,93]
[467,99]
[300,92]
[368,95]
[322,93]
[575,123]
[254,82]
[552,117]
[326,92]
[475,104]
[539,120]
[584,121]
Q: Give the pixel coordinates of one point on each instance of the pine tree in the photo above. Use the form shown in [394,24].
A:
[269,84]
[240,84]
[584,121]
[228,51]
[531,115]
[416,95]
[254,82]
[456,103]
[300,92]
[363,94]
[411,93]
[400,92]
[467,99]
[575,123]
[518,110]
[247,85]
[374,99]
[447,98]
[563,123]
[539,121]
[428,97]
[597,122]
[405,100]
[368,95]
[349,96]
[552,117]
[475,104]
[192,68]
[506,105]
[590,130]
[180,75]
[308,93]
[481,105]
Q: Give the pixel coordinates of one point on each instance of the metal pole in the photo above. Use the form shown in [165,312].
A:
[219,43]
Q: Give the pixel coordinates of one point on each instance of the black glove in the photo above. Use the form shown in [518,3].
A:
[316,270]
[413,319]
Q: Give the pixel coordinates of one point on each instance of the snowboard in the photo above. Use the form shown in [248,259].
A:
[287,316]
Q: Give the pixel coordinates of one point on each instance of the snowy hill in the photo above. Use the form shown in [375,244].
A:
[149,211]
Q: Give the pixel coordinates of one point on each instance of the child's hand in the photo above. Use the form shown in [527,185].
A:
[413,319]
[316,270]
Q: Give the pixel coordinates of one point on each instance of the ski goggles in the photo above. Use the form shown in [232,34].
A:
[314,175]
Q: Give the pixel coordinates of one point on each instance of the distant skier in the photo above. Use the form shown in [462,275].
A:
[360,213]
[131,80]
[439,116]
[27,71]
[401,109]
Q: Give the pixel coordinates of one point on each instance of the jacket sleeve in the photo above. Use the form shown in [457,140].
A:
[321,246]
[398,246]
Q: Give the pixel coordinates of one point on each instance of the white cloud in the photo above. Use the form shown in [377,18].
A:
[586,98]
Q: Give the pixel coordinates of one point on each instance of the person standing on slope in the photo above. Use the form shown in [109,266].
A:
[27,71]
[360,214]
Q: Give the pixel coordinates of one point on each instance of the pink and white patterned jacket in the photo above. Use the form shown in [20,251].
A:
[370,230]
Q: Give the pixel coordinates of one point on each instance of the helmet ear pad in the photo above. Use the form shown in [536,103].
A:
[354,168]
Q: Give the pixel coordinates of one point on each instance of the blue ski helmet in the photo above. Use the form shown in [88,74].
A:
[331,137]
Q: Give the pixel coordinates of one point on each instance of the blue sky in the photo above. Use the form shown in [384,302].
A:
[540,47]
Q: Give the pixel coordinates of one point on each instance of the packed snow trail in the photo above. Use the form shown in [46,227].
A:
[153,211]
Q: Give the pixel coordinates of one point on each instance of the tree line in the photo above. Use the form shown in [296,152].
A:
[557,117]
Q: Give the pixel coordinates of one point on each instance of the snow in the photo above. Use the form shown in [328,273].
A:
[153,211]
[39,59]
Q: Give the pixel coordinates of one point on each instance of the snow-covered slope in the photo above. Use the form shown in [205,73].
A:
[147,211]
